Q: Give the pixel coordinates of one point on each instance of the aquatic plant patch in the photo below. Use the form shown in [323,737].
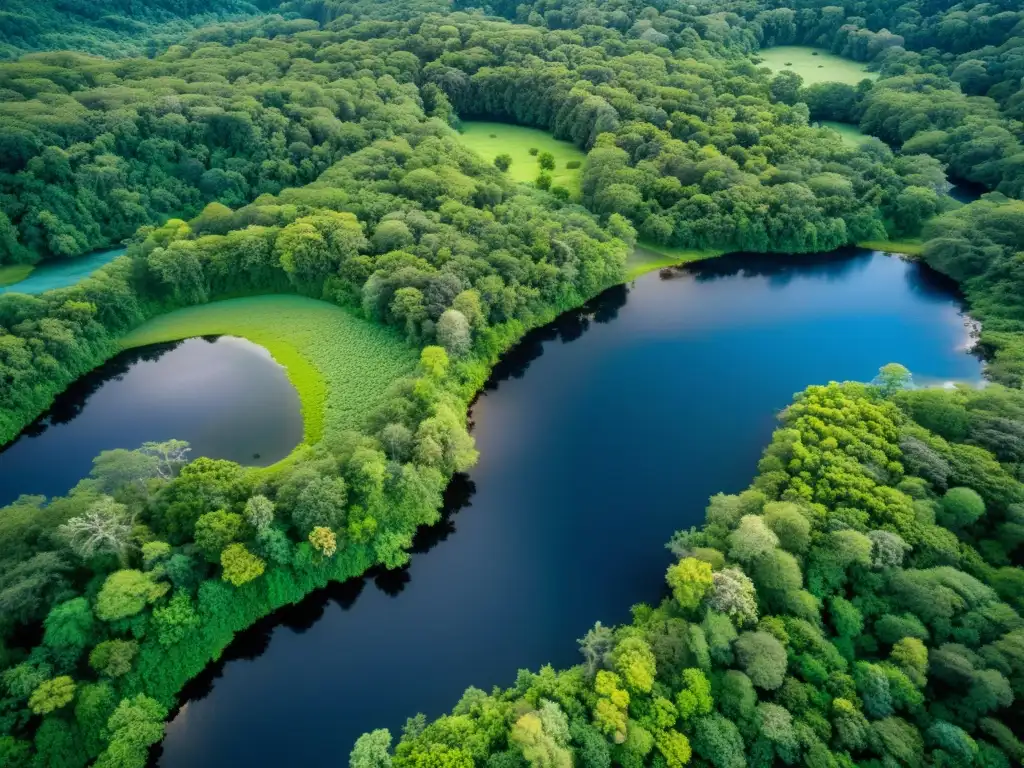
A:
[340,364]
[647,257]
[14,273]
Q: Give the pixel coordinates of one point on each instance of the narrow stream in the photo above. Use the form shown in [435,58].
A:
[63,272]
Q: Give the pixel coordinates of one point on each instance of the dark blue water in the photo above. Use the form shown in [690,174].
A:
[227,397]
[966,191]
[598,437]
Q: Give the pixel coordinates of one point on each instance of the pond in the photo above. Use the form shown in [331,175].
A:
[966,191]
[62,273]
[599,435]
[226,396]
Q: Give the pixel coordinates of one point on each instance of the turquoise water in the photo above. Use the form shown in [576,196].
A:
[61,274]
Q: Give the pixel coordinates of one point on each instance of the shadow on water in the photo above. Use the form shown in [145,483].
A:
[71,402]
[583,475]
[966,191]
[781,269]
[567,327]
[300,617]
[932,284]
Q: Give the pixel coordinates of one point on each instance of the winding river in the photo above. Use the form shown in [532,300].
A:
[63,273]
[226,396]
[599,435]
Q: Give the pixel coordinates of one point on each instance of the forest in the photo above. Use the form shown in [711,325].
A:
[114,28]
[181,555]
[859,604]
[856,605]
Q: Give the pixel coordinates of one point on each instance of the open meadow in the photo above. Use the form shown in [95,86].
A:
[492,139]
[814,65]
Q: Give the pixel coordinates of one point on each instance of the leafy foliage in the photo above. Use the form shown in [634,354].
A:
[864,652]
[857,605]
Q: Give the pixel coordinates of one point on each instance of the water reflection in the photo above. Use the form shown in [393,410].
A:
[932,284]
[780,268]
[299,618]
[225,396]
[567,327]
[70,404]
[615,438]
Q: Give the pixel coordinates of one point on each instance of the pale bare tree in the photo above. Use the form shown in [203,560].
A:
[105,529]
[170,456]
[259,511]
[596,647]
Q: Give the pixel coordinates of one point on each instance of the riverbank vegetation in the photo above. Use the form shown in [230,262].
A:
[979,245]
[859,604]
[115,596]
[341,365]
[908,247]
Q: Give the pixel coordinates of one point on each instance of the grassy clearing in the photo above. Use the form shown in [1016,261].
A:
[814,65]
[14,273]
[848,132]
[340,364]
[647,257]
[492,139]
[911,246]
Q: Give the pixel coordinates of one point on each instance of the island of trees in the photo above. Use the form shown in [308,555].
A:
[859,604]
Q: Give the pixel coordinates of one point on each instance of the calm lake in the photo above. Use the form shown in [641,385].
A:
[227,397]
[599,435]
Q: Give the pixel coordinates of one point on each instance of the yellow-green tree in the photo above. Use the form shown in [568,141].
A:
[635,662]
[610,710]
[240,565]
[52,695]
[674,747]
[324,541]
[690,579]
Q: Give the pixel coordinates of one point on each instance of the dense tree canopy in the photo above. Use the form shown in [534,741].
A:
[148,567]
[110,27]
[881,649]
[858,605]
[703,149]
